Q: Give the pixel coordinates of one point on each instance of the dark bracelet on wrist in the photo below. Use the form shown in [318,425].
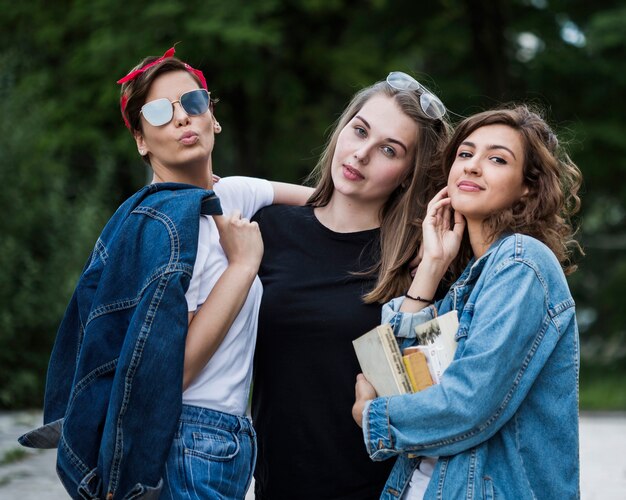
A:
[420,299]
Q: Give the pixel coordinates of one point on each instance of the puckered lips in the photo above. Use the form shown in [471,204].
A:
[189,138]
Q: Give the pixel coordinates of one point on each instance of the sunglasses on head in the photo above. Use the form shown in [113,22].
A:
[431,105]
[161,111]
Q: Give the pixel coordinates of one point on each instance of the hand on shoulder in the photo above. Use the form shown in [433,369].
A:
[241,240]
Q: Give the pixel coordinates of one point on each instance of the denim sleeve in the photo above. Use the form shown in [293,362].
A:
[404,323]
[376,430]
[509,337]
[145,388]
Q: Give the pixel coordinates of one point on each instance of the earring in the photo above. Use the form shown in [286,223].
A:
[141,152]
[217,127]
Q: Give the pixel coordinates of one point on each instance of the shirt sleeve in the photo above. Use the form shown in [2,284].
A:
[248,194]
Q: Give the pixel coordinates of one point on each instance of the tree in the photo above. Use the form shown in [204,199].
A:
[283,70]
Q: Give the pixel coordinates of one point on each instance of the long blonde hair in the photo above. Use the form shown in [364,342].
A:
[401,216]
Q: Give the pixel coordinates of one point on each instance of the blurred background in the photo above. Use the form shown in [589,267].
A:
[283,71]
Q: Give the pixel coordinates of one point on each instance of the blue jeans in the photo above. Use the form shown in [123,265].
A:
[212,456]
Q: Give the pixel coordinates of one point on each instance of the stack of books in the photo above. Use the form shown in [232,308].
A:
[418,367]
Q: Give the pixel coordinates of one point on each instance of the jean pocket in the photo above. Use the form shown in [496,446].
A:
[213,444]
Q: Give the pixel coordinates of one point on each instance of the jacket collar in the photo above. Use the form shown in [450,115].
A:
[475,266]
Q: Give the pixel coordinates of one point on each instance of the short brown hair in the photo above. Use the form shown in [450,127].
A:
[136,90]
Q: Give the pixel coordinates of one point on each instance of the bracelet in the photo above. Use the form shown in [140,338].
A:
[420,299]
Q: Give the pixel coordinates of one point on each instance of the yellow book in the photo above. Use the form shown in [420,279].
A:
[417,370]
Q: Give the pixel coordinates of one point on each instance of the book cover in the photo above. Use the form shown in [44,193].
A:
[417,369]
[437,339]
[381,361]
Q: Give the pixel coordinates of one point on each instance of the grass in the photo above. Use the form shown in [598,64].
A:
[13,455]
[602,388]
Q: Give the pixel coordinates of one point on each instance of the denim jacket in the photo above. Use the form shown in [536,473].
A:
[504,419]
[114,385]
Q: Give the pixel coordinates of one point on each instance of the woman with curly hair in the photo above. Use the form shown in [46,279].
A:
[503,421]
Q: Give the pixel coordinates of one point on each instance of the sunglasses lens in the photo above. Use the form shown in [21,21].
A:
[401,81]
[157,112]
[432,106]
[195,102]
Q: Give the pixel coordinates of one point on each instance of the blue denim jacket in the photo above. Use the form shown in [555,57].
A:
[504,420]
[114,385]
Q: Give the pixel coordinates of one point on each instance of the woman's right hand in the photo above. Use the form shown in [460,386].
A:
[440,241]
[363,392]
[240,239]
[440,245]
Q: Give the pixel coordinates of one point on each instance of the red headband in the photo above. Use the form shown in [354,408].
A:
[135,73]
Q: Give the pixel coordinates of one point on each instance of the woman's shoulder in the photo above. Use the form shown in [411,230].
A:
[283,213]
[237,182]
[530,253]
[520,246]
[241,190]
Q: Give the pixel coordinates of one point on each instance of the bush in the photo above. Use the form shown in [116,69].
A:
[50,223]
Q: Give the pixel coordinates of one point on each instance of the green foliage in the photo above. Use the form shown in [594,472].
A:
[283,70]
[602,388]
[50,222]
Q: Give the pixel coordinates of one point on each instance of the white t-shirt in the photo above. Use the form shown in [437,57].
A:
[420,479]
[224,383]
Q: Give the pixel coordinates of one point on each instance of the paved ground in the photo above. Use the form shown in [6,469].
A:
[30,475]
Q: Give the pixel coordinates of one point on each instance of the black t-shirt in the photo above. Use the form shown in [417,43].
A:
[305,366]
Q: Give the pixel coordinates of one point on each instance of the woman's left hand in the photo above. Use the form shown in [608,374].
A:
[363,392]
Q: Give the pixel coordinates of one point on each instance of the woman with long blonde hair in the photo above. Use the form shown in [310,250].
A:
[326,269]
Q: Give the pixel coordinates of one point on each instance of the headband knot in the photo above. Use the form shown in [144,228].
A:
[135,73]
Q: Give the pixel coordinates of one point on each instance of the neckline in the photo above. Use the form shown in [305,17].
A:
[366,233]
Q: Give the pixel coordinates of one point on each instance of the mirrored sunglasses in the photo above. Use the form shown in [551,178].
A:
[161,111]
[431,105]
